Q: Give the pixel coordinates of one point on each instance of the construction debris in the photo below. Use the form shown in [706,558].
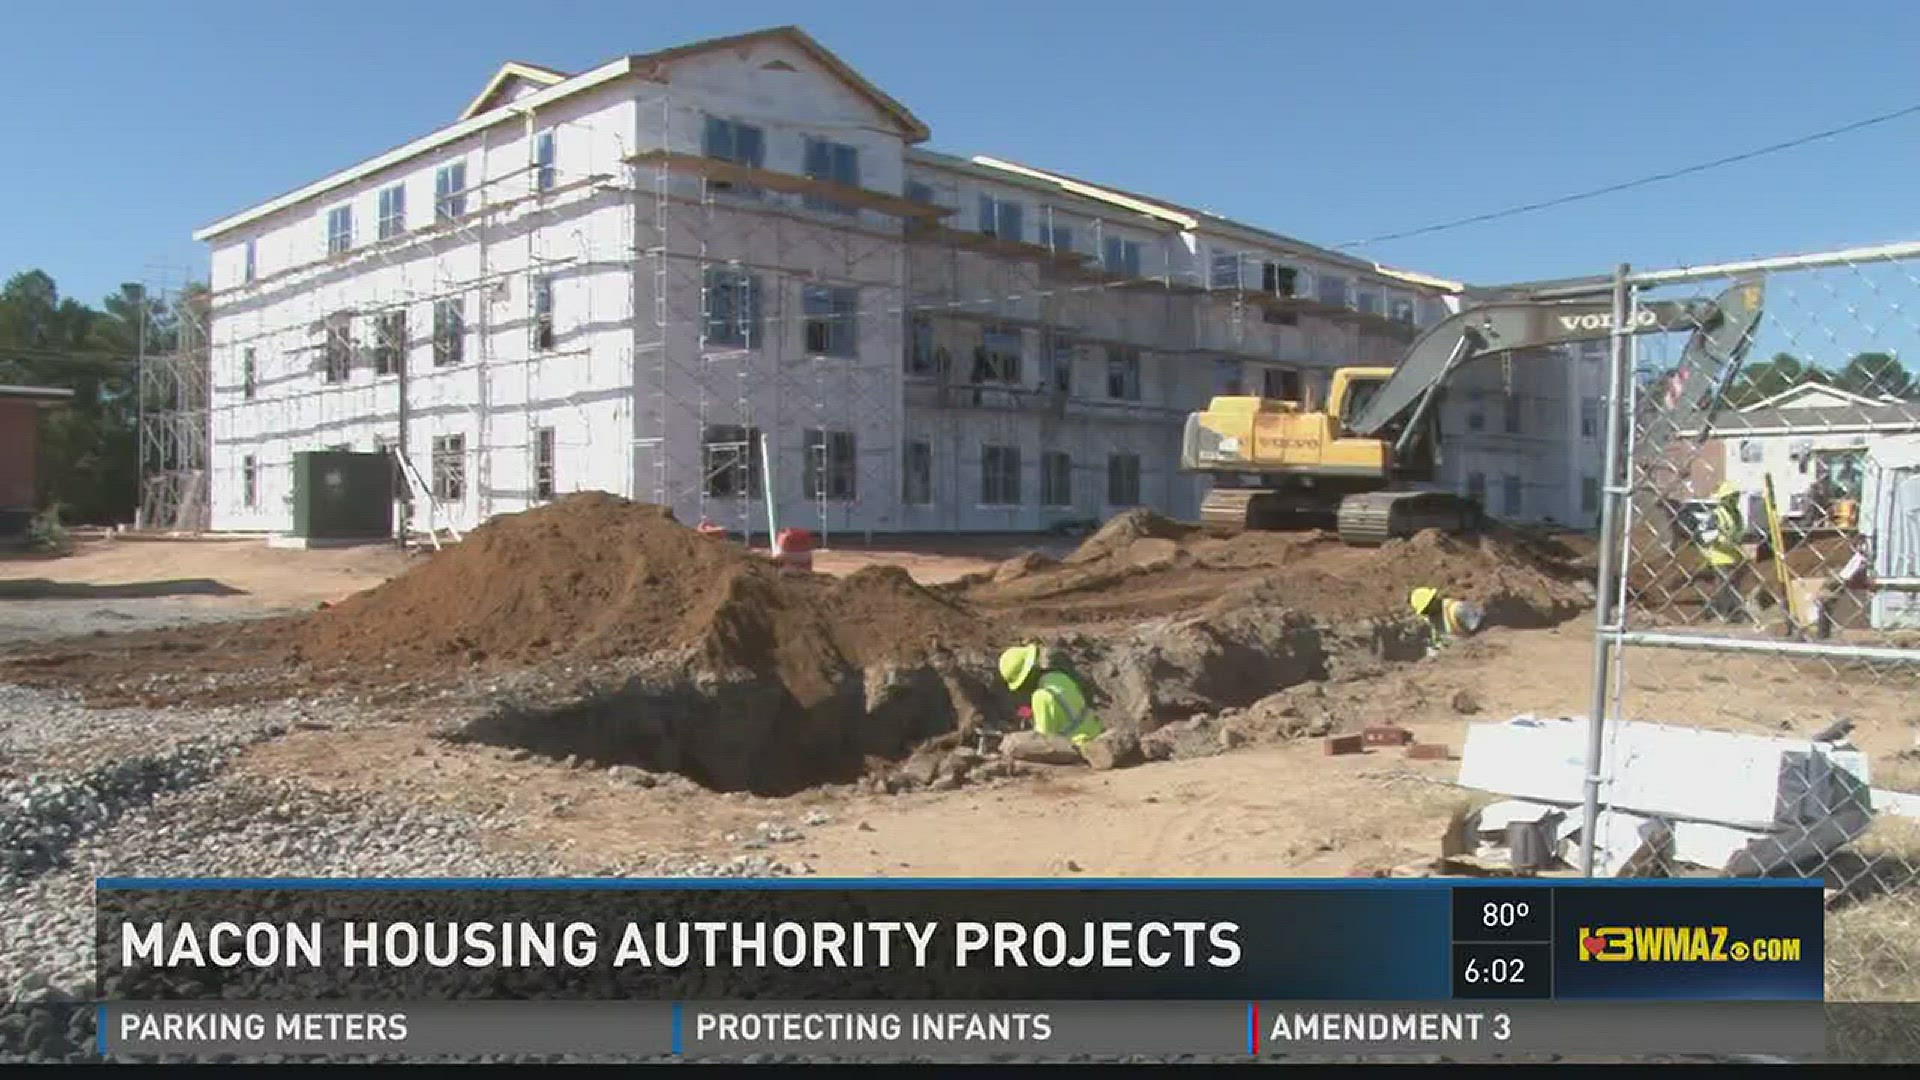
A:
[1386,735]
[1112,750]
[1037,749]
[1675,796]
[1142,565]
[1345,744]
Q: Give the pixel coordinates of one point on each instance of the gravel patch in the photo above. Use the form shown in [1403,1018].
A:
[26,620]
[44,731]
[250,828]
[139,792]
[42,816]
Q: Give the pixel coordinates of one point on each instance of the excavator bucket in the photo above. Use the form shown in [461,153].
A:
[1697,387]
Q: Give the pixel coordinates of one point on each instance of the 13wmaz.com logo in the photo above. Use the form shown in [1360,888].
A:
[1682,944]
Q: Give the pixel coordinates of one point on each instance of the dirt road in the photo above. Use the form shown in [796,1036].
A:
[118,585]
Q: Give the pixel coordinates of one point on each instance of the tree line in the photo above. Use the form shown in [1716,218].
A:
[89,449]
[1871,374]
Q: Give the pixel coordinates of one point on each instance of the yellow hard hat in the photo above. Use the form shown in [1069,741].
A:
[1423,597]
[1017,663]
[1726,490]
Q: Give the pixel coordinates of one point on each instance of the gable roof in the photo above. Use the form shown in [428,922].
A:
[646,65]
[793,35]
[509,72]
[1787,397]
[916,130]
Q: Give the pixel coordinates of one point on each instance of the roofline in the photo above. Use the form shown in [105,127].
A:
[586,80]
[614,69]
[1186,222]
[1887,420]
[511,69]
[1809,387]
[1418,278]
[1189,220]
[917,129]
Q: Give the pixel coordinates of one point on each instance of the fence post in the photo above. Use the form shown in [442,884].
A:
[1613,489]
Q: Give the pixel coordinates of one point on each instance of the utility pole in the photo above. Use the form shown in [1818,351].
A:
[140,415]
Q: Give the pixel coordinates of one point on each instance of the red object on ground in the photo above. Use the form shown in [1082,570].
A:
[1429,752]
[1346,744]
[794,547]
[708,528]
[1386,735]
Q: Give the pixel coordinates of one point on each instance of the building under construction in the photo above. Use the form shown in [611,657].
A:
[702,275]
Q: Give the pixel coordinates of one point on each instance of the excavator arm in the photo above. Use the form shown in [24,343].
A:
[1286,465]
[1722,331]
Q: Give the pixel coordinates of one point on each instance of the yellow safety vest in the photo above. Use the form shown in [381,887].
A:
[1059,708]
[1725,551]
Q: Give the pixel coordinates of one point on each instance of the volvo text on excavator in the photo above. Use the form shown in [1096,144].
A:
[1357,461]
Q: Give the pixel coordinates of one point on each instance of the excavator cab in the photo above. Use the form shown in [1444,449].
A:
[1353,391]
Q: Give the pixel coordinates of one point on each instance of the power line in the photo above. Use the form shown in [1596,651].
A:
[1628,185]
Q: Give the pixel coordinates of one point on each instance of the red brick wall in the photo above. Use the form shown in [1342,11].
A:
[19,444]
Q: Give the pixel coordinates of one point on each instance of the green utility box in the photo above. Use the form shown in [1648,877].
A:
[339,495]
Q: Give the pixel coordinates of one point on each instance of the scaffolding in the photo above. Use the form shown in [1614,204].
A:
[777,304]
[730,344]
[334,315]
[173,365]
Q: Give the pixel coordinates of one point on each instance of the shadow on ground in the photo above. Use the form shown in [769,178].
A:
[45,589]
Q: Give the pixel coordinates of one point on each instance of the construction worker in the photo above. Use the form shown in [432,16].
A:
[1446,618]
[1059,705]
[1724,555]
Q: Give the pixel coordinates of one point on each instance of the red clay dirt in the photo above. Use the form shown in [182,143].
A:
[1142,565]
[590,577]
[594,577]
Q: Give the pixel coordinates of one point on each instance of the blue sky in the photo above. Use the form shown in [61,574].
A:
[131,124]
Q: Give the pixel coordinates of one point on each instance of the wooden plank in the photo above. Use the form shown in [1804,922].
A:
[732,172]
[994,245]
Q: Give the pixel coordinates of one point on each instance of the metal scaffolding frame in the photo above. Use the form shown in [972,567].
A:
[173,411]
[682,216]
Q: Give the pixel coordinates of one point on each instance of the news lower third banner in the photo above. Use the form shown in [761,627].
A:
[874,968]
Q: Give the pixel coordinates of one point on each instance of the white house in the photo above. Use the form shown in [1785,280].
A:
[1802,435]
[667,274]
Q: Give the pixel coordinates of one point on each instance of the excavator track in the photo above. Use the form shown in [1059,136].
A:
[1372,518]
[1239,508]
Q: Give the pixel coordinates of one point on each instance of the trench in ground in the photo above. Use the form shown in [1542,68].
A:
[750,733]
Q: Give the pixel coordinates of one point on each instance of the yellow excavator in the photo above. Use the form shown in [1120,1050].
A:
[1358,460]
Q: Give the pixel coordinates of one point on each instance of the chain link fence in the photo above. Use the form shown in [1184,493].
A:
[1759,622]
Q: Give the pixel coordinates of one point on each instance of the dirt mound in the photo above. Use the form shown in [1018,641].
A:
[593,576]
[1517,582]
[1142,566]
[1123,530]
[1029,562]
